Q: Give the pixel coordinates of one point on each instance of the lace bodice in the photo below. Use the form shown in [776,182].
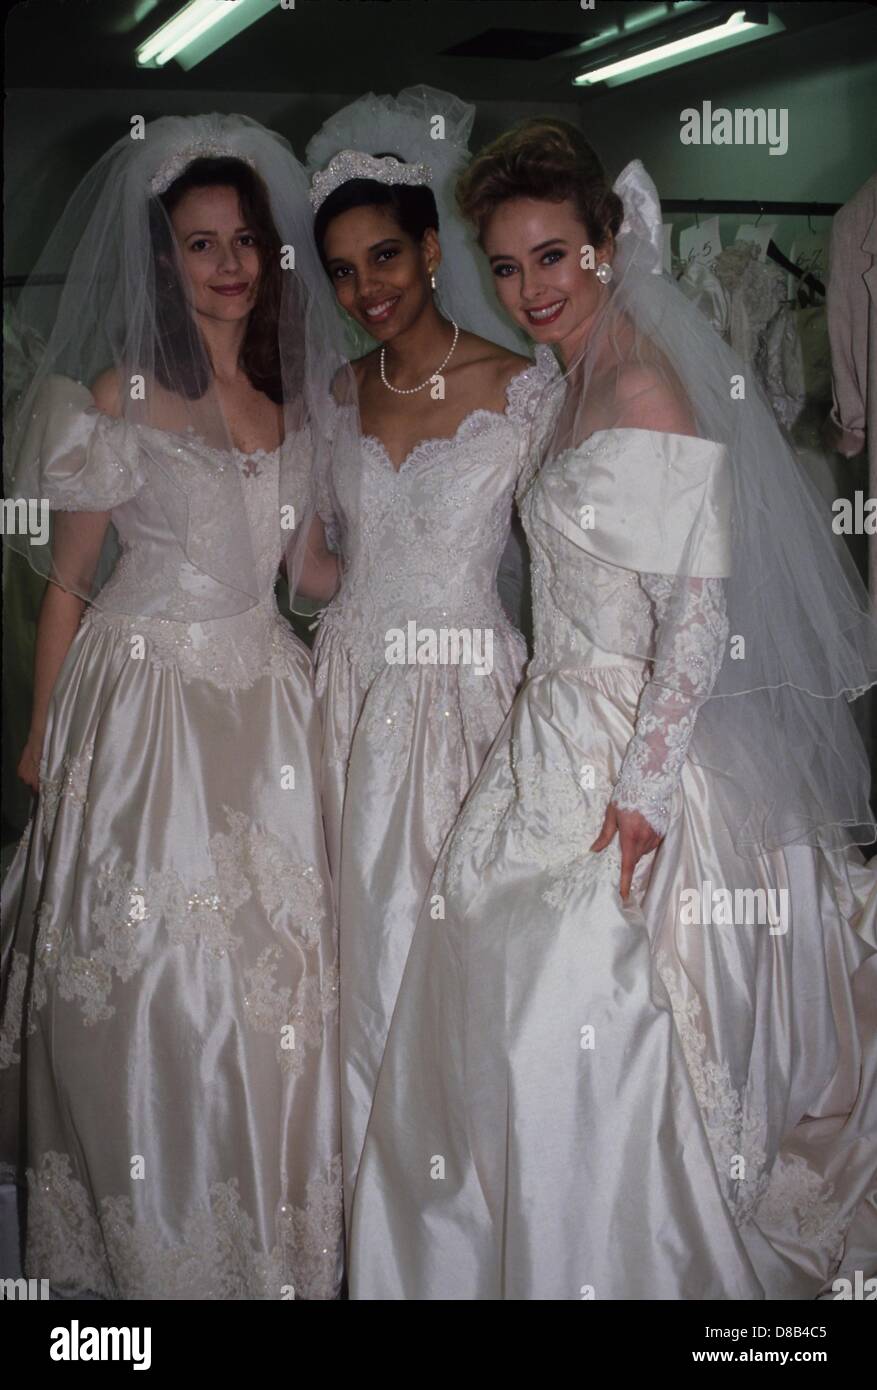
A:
[153,574]
[424,543]
[91,462]
[609,596]
[232,651]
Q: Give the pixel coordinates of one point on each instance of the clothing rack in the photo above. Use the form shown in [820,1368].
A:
[741,205]
[13,282]
[749,206]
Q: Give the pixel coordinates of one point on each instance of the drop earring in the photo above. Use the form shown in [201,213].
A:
[432,277]
[604,272]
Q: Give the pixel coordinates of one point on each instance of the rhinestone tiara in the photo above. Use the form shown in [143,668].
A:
[201,149]
[354,164]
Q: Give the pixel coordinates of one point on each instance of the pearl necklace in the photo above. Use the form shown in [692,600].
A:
[412,390]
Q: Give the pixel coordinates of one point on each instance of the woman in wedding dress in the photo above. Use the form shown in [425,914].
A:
[635,1058]
[427,447]
[169,1028]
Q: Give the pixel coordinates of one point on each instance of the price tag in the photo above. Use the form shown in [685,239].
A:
[701,243]
[760,234]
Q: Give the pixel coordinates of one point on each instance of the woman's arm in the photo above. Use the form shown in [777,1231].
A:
[692,632]
[320,571]
[76,548]
[57,622]
[77,544]
[691,635]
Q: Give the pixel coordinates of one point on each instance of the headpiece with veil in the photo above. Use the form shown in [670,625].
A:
[109,294]
[777,728]
[425,126]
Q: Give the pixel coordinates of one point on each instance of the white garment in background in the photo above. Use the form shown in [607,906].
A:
[852,324]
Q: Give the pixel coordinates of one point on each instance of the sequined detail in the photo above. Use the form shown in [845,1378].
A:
[354,164]
[788,1196]
[691,639]
[402,558]
[172,167]
[118,1251]
[248,862]
[231,652]
[542,808]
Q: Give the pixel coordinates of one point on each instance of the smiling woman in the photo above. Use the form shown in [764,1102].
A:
[627,1098]
[431,431]
[168,1048]
[224,237]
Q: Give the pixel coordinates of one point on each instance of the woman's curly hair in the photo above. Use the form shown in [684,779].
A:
[544,158]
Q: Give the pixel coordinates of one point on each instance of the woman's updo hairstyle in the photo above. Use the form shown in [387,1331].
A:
[412,205]
[545,158]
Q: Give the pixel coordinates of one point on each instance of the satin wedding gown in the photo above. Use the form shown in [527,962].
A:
[402,743]
[581,1098]
[169,954]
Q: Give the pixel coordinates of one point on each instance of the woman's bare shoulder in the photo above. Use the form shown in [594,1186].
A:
[650,396]
[495,363]
[476,349]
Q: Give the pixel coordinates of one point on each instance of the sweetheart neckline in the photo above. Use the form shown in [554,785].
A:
[195,440]
[448,439]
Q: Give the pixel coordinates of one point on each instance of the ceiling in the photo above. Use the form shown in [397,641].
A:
[502,49]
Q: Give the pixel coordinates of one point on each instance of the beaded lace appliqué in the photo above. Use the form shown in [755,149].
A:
[248,862]
[552,819]
[692,633]
[789,1195]
[113,1252]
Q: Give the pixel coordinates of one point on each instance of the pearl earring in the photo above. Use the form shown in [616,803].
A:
[432,278]
[604,272]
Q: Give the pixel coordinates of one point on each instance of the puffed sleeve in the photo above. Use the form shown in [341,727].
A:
[74,456]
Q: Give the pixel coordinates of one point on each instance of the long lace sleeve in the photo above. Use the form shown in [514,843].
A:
[692,633]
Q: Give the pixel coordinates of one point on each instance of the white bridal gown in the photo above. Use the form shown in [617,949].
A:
[582,1098]
[169,960]
[403,743]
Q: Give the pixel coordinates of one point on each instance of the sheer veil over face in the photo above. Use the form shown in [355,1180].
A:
[138,302]
[778,728]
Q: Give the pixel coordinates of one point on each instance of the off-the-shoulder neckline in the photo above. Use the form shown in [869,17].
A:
[639,429]
[195,441]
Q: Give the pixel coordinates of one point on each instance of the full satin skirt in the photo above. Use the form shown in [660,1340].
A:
[400,751]
[586,1098]
[169,1051]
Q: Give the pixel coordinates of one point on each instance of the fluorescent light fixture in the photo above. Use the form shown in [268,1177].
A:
[735,29]
[198,29]
[631,26]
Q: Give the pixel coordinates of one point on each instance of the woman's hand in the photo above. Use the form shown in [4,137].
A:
[636,838]
[29,763]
